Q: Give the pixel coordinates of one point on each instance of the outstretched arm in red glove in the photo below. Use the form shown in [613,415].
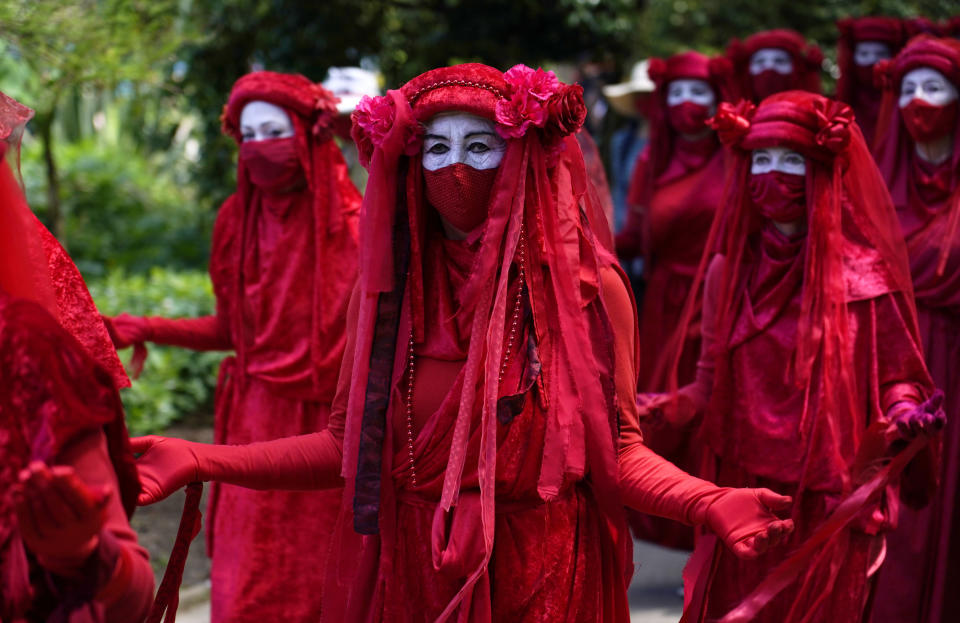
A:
[743,518]
[204,333]
[71,518]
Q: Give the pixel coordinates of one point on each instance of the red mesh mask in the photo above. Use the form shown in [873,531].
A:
[273,164]
[779,196]
[688,117]
[926,122]
[460,194]
[770,81]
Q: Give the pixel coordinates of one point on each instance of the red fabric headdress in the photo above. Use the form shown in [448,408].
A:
[852,228]
[336,205]
[893,145]
[534,212]
[807,58]
[687,65]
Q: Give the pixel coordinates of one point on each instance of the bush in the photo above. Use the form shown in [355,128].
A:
[175,382]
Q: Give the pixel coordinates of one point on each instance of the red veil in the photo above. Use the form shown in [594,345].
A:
[539,210]
[860,92]
[807,58]
[335,204]
[893,146]
[854,249]
[78,369]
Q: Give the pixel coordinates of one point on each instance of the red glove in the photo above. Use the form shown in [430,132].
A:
[126,330]
[292,463]
[743,518]
[60,518]
[926,418]
[677,413]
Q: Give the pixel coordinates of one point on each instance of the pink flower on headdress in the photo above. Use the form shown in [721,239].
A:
[732,122]
[526,103]
[372,122]
[834,119]
[883,73]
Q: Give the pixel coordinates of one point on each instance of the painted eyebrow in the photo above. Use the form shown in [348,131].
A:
[436,136]
[483,133]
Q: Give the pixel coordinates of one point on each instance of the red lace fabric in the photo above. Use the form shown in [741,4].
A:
[809,343]
[857,90]
[925,550]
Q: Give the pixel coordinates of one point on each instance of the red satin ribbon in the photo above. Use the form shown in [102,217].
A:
[168,595]
[788,571]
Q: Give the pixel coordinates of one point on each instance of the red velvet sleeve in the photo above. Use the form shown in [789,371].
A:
[901,372]
[697,393]
[204,333]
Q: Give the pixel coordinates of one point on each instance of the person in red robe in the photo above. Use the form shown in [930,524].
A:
[811,369]
[863,42]
[486,422]
[917,152]
[675,192]
[772,61]
[283,265]
[68,483]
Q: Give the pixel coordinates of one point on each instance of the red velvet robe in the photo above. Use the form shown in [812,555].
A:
[268,545]
[924,553]
[60,407]
[753,426]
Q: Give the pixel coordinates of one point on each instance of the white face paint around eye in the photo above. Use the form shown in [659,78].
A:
[777,159]
[776,59]
[261,121]
[867,53]
[927,84]
[689,90]
[460,137]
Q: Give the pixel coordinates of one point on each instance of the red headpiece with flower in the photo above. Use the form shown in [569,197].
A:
[539,217]
[806,57]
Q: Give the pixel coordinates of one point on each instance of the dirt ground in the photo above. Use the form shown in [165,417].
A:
[156,525]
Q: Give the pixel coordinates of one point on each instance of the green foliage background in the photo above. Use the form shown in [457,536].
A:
[126,162]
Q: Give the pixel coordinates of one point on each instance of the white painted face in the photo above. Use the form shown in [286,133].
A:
[777,159]
[261,121]
[350,84]
[776,59]
[927,84]
[461,137]
[688,90]
[867,53]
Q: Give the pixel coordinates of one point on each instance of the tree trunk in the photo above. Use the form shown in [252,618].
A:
[54,213]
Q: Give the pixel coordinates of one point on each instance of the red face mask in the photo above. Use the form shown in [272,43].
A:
[779,196]
[273,164]
[926,122]
[688,117]
[460,194]
[768,82]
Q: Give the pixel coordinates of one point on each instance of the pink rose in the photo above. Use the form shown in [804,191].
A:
[526,101]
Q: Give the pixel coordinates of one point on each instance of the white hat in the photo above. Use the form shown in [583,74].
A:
[350,84]
[621,96]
